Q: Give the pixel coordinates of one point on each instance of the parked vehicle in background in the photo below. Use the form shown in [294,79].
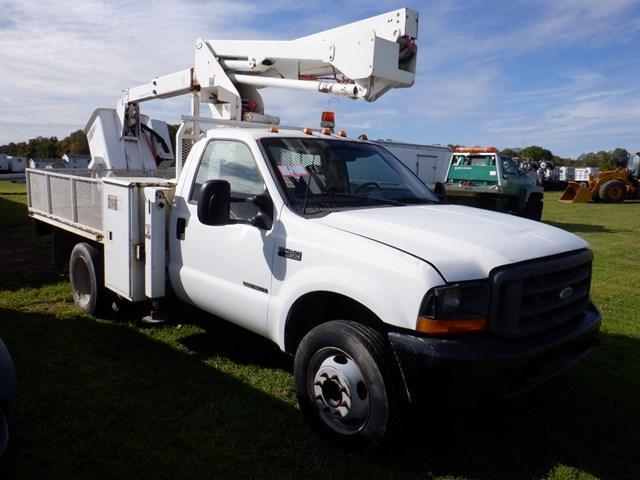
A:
[567,174]
[7,394]
[613,186]
[428,162]
[481,177]
[582,175]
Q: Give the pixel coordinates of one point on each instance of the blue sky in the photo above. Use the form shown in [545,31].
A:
[563,74]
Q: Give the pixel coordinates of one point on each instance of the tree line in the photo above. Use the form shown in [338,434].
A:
[76,144]
[48,147]
[610,160]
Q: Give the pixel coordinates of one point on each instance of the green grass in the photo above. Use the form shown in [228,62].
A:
[108,398]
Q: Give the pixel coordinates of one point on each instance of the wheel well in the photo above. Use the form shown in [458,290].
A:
[63,243]
[315,308]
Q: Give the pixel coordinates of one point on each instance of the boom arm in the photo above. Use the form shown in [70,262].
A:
[361,60]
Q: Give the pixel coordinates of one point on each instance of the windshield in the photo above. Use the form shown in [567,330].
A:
[475,169]
[634,165]
[323,174]
[509,167]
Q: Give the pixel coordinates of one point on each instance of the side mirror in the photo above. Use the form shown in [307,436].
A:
[214,202]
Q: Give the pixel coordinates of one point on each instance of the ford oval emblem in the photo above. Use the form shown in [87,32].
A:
[565,293]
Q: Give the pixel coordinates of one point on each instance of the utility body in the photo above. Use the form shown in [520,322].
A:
[325,244]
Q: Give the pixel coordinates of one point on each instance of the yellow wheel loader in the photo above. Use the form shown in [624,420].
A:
[611,186]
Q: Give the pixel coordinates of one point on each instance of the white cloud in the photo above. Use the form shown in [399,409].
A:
[60,60]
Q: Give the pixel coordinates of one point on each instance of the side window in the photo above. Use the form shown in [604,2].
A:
[231,161]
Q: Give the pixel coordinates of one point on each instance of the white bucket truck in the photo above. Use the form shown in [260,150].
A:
[325,244]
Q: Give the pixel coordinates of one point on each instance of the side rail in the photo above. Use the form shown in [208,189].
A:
[71,202]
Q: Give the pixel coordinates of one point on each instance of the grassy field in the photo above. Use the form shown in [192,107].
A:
[107,398]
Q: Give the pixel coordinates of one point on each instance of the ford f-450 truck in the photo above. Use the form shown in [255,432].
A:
[325,244]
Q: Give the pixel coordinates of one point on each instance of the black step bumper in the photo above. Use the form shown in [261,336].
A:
[475,365]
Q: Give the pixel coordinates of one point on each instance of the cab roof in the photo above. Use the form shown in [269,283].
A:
[258,133]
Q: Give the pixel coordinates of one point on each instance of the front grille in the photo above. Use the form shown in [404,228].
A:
[537,295]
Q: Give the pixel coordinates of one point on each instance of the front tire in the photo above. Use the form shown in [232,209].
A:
[612,191]
[533,208]
[85,276]
[346,385]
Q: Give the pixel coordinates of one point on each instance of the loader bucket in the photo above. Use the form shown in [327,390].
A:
[575,193]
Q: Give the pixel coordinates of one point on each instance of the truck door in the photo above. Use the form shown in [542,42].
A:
[225,270]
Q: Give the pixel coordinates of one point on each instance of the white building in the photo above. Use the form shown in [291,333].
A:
[76,161]
[17,164]
[4,163]
[582,174]
[46,163]
[567,174]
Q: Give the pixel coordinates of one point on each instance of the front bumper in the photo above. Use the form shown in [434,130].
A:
[474,365]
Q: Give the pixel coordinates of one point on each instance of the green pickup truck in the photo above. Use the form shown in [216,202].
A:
[481,177]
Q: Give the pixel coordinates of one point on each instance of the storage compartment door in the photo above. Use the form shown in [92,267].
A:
[122,270]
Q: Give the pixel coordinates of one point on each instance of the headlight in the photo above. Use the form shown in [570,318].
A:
[455,308]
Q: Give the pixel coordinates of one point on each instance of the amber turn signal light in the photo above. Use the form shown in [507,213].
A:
[443,327]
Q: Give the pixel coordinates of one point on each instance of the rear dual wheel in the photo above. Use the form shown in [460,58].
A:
[347,386]
[85,276]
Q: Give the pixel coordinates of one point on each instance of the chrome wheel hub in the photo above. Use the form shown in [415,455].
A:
[340,392]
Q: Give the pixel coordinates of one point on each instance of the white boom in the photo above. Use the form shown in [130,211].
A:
[361,60]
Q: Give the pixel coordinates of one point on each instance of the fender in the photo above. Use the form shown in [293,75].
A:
[394,306]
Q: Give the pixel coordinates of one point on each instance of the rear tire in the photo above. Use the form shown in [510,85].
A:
[612,191]
[347,385]
[85,276]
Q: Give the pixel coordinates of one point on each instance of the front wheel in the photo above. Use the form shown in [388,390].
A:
[533,208]
[612,191]
[346,385]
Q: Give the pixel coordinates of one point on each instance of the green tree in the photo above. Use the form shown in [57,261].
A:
[24,149]
[536,153]
[619,157]
[76,144]
[509,152]
[44,147]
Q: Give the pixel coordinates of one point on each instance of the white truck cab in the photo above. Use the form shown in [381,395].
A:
[333,249]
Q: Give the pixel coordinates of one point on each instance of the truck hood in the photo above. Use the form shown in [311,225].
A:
[462,243]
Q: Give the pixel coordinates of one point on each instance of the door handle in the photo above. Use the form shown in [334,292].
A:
[181,225]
